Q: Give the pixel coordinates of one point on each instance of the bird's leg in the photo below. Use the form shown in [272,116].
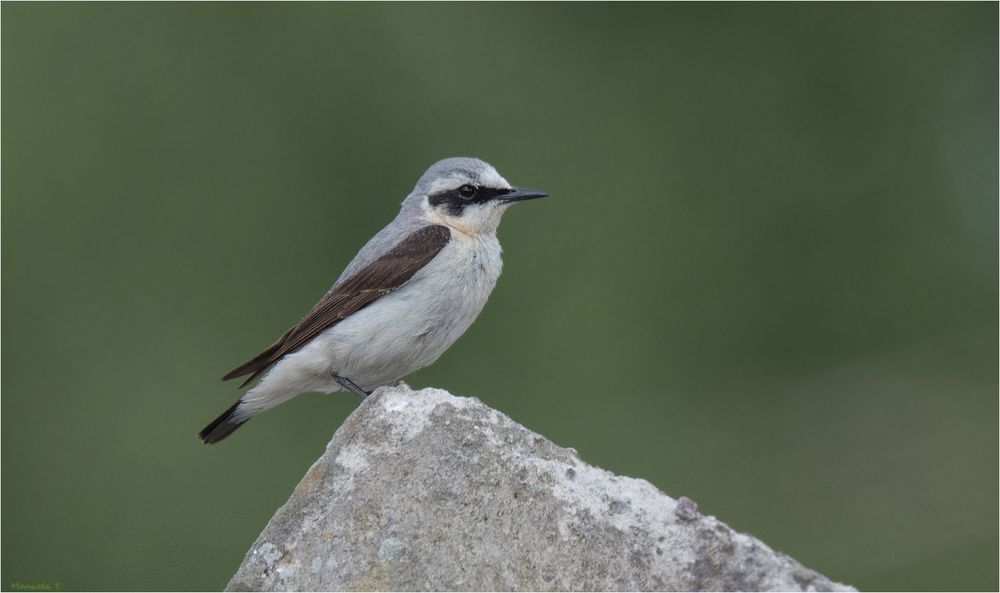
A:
[350,386]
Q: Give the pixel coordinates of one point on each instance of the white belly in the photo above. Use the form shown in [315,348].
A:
[399,333]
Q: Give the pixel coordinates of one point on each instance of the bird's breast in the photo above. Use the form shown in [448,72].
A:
[463,274]
[412,326]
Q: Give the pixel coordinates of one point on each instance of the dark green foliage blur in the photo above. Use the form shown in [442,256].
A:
[766,278]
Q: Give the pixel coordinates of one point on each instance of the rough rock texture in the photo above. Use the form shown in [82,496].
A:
[425,490]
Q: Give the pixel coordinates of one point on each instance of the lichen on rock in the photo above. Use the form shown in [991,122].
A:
[428,491]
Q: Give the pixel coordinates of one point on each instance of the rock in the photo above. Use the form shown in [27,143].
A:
[428,491]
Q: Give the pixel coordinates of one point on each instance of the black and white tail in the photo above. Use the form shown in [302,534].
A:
[222,426]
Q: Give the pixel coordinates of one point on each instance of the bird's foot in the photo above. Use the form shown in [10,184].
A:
[350,386]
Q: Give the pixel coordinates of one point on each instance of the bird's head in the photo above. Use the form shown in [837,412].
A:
[467,195]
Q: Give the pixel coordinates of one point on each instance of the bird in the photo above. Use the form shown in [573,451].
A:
[408,294]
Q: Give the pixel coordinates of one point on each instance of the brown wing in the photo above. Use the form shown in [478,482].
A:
[378,278]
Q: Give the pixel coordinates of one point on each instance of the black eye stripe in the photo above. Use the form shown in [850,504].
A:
[455,202]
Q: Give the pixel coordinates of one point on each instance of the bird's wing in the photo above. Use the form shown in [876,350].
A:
[382,276]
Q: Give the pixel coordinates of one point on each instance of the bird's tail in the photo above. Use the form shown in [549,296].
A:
[223,426]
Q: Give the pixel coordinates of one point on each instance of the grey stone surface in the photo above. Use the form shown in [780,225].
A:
[428,491]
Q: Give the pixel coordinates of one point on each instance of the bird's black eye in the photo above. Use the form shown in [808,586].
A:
[467,191]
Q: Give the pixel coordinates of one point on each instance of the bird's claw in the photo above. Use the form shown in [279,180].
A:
[350,386]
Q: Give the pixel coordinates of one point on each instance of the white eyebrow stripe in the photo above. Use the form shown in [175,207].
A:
[487,178]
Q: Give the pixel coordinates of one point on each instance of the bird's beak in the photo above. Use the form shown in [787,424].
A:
[518,194]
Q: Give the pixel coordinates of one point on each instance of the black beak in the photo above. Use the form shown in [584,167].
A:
[518,194]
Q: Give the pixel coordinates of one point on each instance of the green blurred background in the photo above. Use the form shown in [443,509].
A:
[767,277]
